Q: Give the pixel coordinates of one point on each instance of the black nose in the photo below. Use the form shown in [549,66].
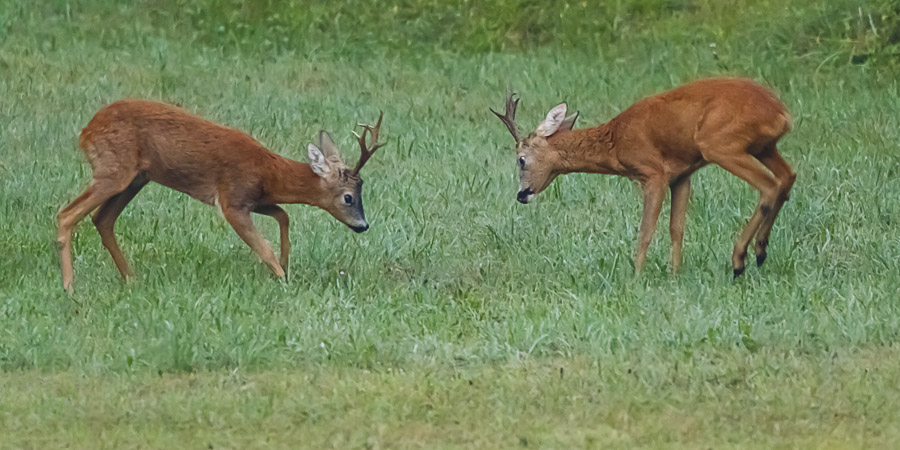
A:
[360,229]
[522,196]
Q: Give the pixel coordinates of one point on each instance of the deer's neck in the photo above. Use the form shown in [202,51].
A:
[295,182]
[589,150]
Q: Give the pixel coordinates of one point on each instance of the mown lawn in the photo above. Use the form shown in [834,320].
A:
[718,400]
[461,318]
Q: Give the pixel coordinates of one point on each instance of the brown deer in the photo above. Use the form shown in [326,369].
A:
[660,141]
[132,142]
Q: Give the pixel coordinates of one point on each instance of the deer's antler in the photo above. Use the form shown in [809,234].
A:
[365,151]
[509,119]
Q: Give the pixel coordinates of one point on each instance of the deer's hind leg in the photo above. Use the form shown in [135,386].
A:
[737,160]
[785,177]
[102,188]
[105,219]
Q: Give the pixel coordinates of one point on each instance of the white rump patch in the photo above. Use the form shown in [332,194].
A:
[218,206]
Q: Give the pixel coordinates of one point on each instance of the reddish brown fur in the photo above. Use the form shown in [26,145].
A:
[132,142]
[661,140]
[134,136]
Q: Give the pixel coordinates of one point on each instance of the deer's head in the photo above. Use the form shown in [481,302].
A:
[537,159]
[343,186]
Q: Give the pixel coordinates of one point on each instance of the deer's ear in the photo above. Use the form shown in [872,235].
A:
[318,162]
[328,147]
[569,123]
[554,120]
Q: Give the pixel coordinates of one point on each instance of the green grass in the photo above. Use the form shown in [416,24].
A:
[376,338]
[773,399]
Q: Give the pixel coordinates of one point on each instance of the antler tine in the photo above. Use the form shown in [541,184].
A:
[365,151]
[509,119]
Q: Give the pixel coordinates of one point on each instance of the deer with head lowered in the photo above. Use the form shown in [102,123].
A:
[132,142]
[660,141]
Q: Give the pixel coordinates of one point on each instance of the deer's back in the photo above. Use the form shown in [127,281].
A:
[172,147]
[672,122]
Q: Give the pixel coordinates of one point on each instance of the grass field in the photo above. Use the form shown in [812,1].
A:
[461,318]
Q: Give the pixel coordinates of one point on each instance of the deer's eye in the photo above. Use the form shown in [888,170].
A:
[522,162]
[348,199]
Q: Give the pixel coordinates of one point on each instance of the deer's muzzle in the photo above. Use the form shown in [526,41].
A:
[524,196]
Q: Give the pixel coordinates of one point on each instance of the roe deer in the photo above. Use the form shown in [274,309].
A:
[660,141]
[132,142]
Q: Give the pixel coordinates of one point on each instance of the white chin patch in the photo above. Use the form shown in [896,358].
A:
[529,198]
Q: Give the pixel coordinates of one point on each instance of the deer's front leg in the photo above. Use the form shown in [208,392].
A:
[281,217]
[240,220]
[681,193]
[654,191]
